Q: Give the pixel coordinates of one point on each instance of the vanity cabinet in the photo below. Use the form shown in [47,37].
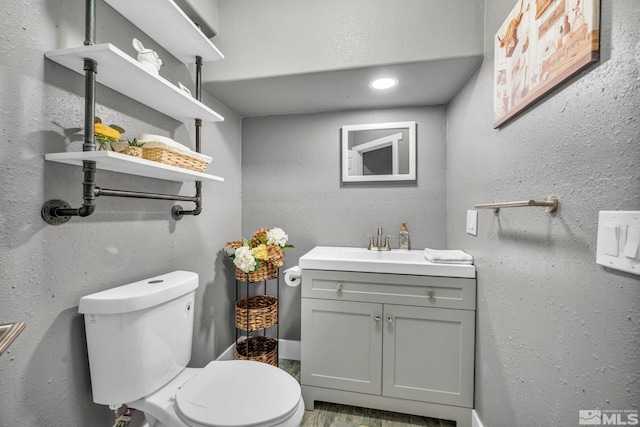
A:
[395,342]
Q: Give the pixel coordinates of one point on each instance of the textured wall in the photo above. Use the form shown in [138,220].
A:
[44,270]
[556,333]
[291,179]
[285,37]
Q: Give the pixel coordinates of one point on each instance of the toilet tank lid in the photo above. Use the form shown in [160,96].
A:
[140,295]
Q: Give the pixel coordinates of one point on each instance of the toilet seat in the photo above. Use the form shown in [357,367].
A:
[238,393]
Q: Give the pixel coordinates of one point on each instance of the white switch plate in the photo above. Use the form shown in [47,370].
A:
[619,240]
[472,223]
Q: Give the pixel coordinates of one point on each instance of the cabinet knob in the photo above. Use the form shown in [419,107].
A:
[431,293]
[376,318]
[339,287]
[389,319]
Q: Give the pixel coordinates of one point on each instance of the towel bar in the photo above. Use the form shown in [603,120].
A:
[549,205]
[8,333]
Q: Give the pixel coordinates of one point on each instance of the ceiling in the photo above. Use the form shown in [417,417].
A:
[420,83]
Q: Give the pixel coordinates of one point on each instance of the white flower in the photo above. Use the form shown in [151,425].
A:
[277,236]
[244,259]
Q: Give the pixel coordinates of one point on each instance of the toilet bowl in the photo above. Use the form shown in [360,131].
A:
[235,393]
[139,339]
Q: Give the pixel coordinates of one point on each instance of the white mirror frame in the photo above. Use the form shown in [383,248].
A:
[387,141]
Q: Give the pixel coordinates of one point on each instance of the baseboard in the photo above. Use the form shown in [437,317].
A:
[475,419]
[289,349]
[228,354]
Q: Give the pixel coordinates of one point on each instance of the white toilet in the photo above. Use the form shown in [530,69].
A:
[139,342]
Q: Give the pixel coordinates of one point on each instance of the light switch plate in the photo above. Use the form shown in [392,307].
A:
[472,223]
[619,240]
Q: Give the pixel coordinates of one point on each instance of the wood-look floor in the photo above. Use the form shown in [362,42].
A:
[334,415]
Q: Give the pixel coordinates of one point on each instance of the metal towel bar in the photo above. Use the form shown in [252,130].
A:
[8,333]
[550,205]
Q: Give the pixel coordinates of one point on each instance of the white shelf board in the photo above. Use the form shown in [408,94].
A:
[120,72]
[167,24]
[123,163]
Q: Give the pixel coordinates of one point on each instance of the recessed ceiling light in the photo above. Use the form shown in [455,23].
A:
[383,83]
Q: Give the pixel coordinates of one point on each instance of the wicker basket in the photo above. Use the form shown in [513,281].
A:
[262,312]
[268,268]
[132,151]
[174,158]
[266,271]
[260,349]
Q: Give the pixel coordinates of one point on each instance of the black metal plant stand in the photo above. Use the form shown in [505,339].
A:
[246,333]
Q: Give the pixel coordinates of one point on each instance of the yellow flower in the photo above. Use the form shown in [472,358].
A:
[106,132]
[260,252]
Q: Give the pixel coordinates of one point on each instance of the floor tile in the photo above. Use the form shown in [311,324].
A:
[334,415]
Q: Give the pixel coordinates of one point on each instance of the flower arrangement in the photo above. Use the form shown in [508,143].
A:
[259,258]
[105,135]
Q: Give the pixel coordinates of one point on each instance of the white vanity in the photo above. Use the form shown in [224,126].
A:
[388,330]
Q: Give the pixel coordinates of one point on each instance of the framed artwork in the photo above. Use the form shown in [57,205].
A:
[540,45]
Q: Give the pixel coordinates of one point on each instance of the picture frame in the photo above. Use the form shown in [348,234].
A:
[379,152]
[540,45]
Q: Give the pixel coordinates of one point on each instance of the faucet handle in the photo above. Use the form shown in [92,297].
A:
[370,236]
[386,241]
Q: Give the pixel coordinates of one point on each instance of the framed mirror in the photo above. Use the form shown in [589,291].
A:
[379,152]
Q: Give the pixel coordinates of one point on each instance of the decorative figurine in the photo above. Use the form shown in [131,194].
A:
[148,58]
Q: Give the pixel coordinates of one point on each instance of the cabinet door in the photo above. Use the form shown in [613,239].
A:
[342,345]
[429,354]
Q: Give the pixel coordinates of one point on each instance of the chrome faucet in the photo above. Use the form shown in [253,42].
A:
[379,246]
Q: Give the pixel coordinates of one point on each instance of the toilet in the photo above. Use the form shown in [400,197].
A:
[139,339]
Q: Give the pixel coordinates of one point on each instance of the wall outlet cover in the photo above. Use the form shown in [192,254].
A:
[472,222]
[619,240]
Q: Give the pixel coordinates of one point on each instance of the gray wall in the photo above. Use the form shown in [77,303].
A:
[288,37]
[291,179]
[44,270]
[556,333]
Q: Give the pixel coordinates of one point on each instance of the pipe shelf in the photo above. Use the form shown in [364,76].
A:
[123,163]
[122,73]
[184,41]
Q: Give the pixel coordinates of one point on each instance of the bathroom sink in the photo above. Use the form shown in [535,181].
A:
[395,261]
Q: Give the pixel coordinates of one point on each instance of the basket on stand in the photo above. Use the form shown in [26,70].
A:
[259,349]
[268,269]
[257,260]
[257,312]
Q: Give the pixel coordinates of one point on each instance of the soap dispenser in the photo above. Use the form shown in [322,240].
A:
[404,236]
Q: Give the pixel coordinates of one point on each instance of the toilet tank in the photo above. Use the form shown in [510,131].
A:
[138,335]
